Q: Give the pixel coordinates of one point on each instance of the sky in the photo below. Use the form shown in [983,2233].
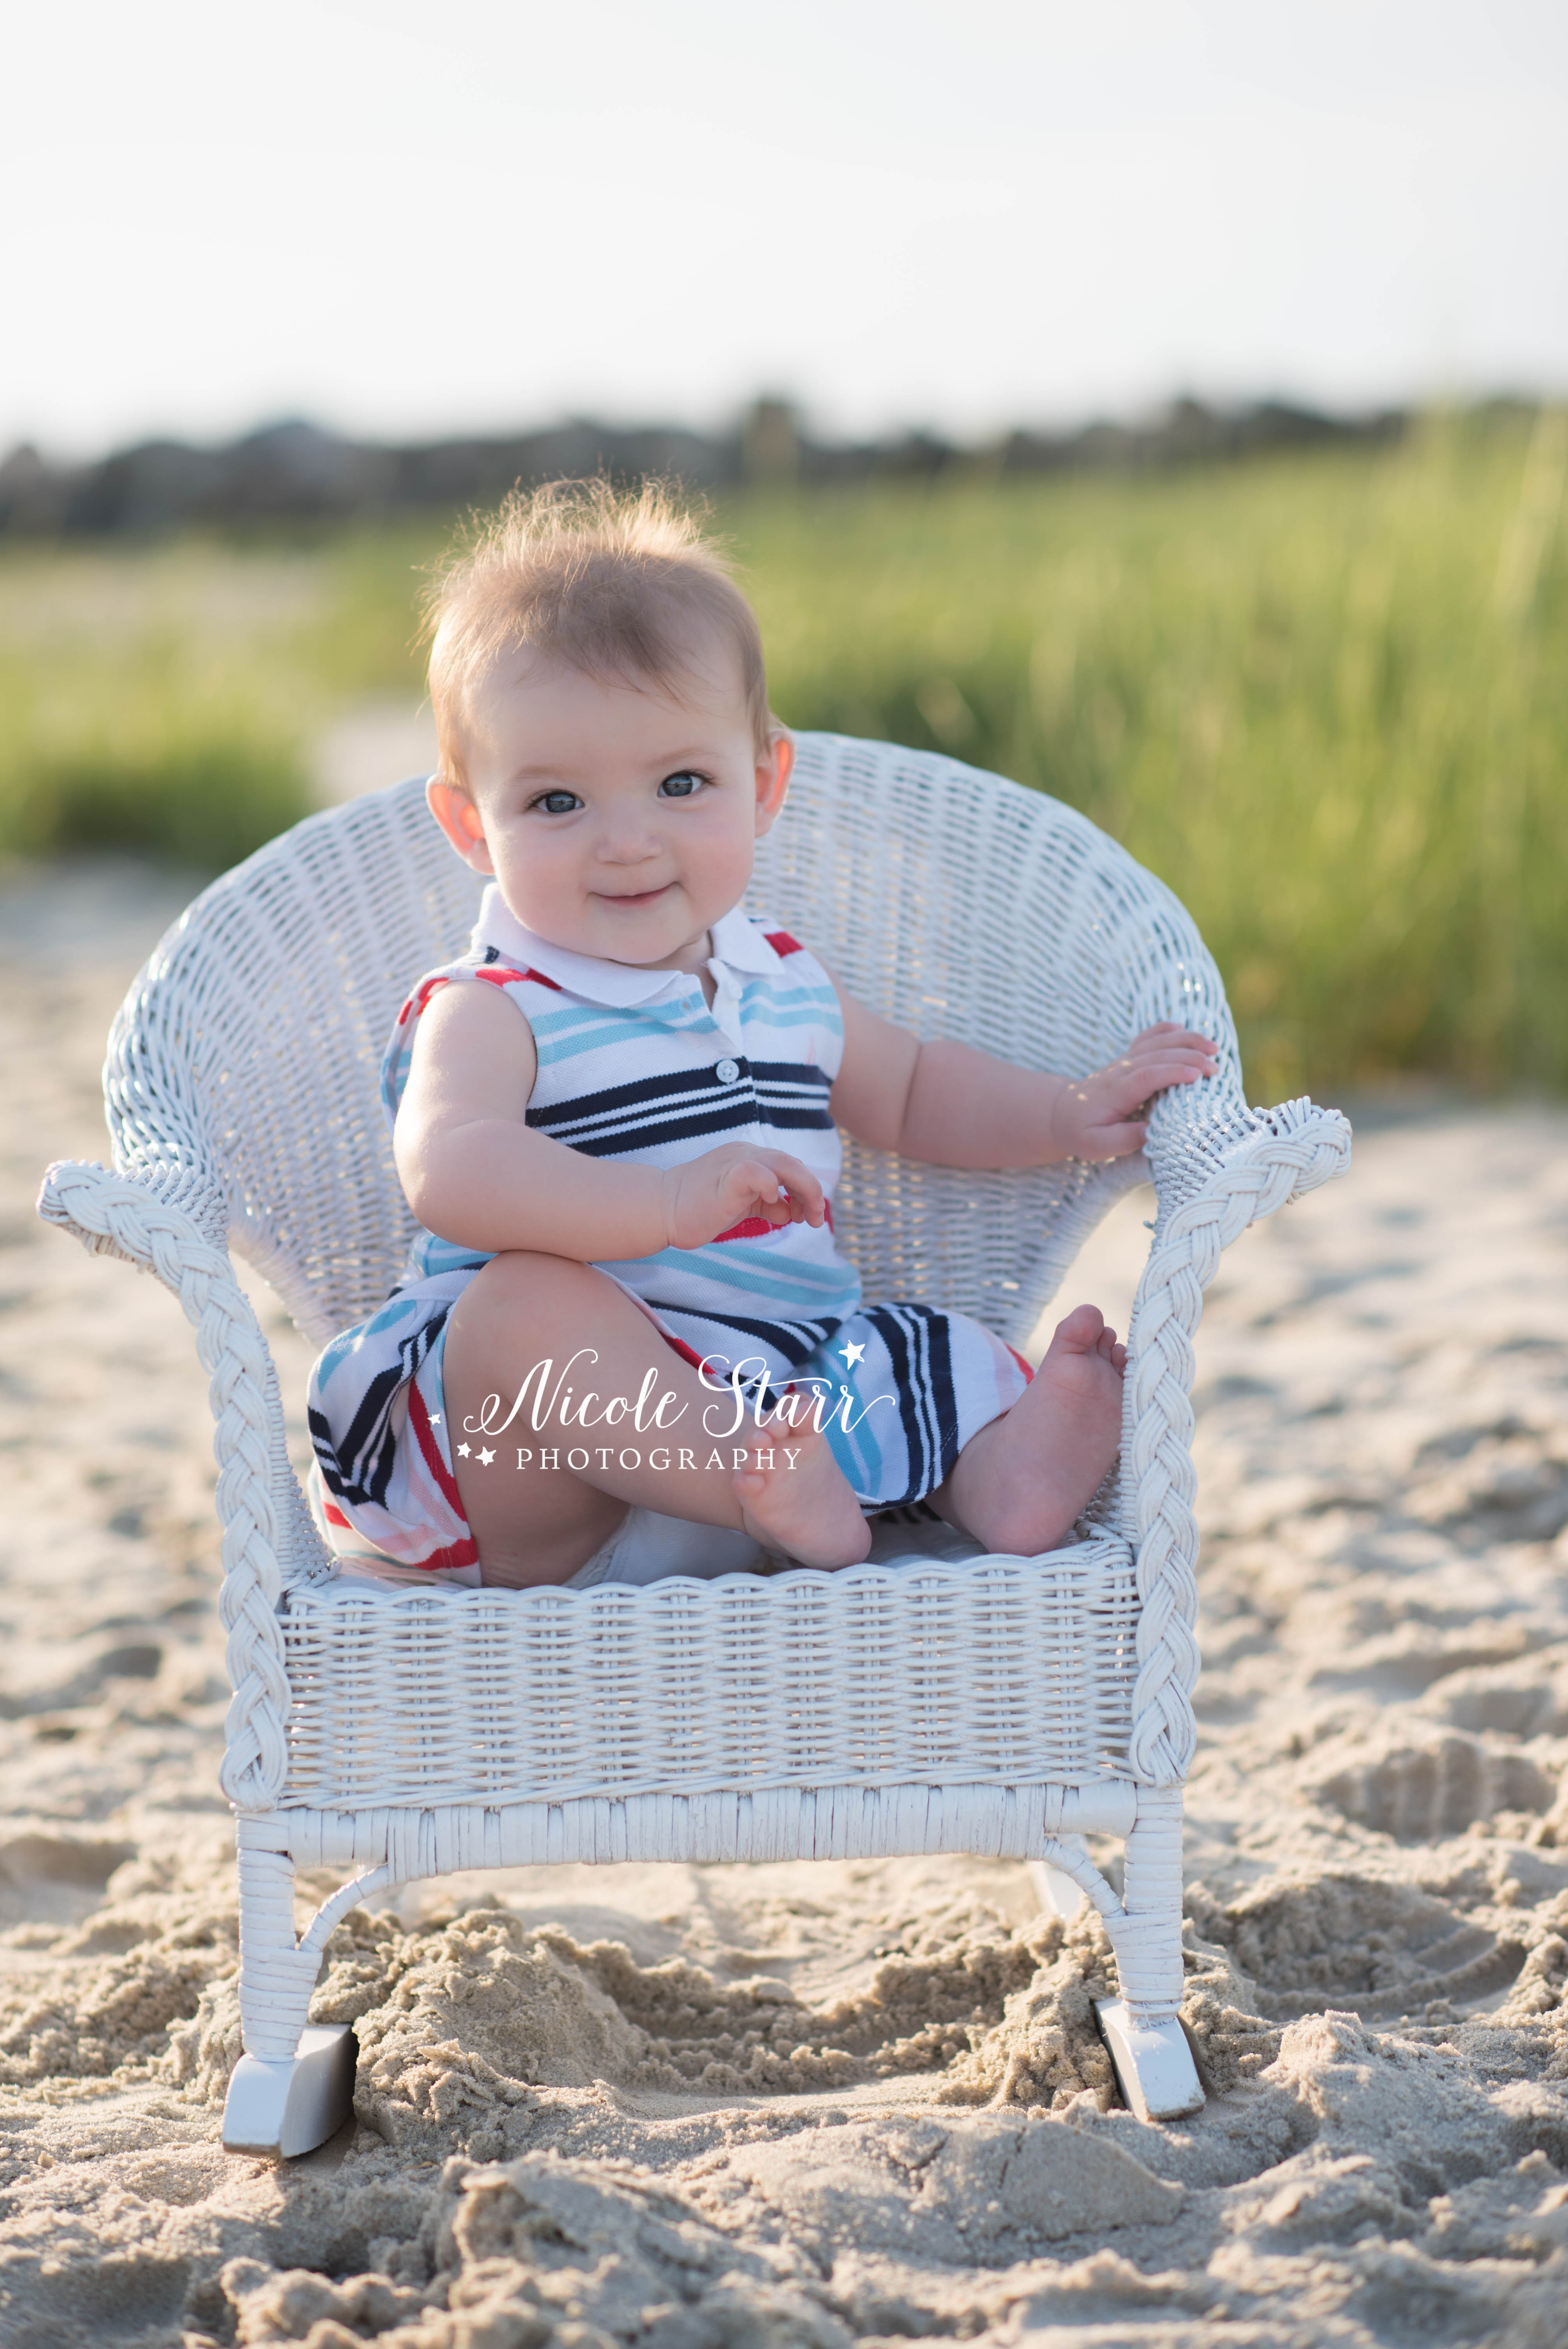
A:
[412,221]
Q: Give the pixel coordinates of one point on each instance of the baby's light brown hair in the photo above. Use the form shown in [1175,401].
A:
[620,584]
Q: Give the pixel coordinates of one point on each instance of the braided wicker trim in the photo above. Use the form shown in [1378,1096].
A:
[130,1219]
[1290,1151]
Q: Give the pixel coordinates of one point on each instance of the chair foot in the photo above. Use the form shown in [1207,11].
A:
[283,2108]
[1154,2067]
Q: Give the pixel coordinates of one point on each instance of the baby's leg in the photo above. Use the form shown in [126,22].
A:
[1019,1485]
[537,1523]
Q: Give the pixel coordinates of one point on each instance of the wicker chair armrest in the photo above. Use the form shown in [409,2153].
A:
[162,1223]
[1218,1167]
[166,1205]
[1202,1137]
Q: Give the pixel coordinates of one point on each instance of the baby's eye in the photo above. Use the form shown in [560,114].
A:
[556,802]
[684,786]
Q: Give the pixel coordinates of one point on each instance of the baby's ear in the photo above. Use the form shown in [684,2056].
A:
[460,819]
[773,771]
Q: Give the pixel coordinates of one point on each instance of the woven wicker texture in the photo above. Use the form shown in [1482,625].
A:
[243,1069]
[1000,1672]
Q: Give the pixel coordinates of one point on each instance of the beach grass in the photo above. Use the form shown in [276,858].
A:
[155,699]
[1325,697]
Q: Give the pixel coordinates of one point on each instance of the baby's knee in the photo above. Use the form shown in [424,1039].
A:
[528,1281]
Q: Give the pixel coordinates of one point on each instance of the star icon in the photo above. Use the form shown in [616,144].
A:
[485,1459]
[850,1354]
[435,1419]
[462,1451]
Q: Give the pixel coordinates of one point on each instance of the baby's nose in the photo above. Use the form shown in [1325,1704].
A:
[627,844]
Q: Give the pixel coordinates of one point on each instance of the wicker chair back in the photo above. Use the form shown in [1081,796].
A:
[948,899]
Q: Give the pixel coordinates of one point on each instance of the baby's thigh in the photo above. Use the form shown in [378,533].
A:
[523,1308]
[518,1312]
[567,1347]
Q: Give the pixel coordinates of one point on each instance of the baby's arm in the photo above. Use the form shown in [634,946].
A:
[477,1175]
[952,1106]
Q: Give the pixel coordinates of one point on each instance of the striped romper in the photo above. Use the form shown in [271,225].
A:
[633,1064]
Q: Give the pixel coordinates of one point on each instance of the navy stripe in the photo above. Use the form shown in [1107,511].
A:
[917,1343]
[663,1087]
[637,1121]
[795,1340]
[789,1094]
[359,1467]
[794,1120]
[647,1137]
[732,1105]
[788,1072]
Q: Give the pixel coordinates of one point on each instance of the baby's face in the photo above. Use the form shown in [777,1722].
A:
[618,818]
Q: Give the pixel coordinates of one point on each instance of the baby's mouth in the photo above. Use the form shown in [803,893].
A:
[632,898]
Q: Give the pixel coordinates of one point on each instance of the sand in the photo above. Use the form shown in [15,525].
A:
[687,2107]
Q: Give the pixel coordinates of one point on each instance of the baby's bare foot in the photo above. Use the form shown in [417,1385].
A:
[1020,1483]
[795,1498]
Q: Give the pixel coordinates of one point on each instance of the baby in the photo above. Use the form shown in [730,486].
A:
[616,1119]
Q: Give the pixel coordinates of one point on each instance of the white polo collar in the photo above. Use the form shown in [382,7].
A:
[739,946]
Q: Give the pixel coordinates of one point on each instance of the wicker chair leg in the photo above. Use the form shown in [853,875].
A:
[293,2088]
[1060,1895]
[1143,2029]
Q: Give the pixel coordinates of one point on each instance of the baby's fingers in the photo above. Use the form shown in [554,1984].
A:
[1116,1140]
[750,1186]
[1170,1068]
[1135,1080]
[805,1192]
[777,1188]
[1169,1040]
[1171,1031]
[1161,1043]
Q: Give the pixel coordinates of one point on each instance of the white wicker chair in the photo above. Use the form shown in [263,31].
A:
[1005,1706]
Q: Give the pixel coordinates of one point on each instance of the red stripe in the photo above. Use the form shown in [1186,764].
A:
[1019,1360]
[441,1561]
[463,1553]
[681,1348]
[419,998]
[782,943]
[755,1228]
[501,975]
[458,1552]
[430,1451]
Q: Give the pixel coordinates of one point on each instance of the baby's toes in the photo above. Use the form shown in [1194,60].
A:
[1106,1345]
[753,1477]
[1079,1333]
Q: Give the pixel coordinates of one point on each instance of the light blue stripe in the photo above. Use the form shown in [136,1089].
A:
[834,1287]
[555,1033]
[433,1256]
[800,993]
[386,1318]
[757,1029]
[858,1453]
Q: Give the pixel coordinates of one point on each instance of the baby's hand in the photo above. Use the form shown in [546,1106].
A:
[1102,1116]
[735,1184]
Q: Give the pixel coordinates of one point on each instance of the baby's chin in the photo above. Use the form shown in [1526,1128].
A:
[643,928]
